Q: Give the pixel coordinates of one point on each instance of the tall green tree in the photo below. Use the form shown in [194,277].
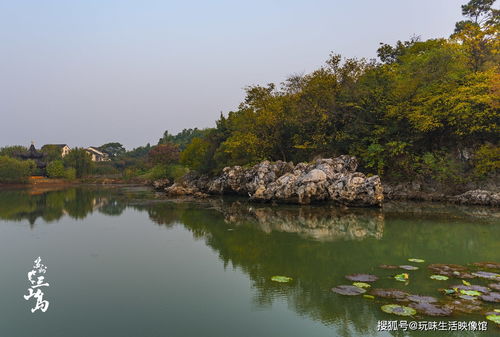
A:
[80,160]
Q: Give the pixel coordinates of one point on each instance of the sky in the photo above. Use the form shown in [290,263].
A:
[88,72]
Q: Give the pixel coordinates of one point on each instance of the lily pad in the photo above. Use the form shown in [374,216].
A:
[416,260]
[389,293]
[361,277]
[370,297]
[281,279]
[470,292]
[468,297]
[465,283]
[401,277]
[448,291]
[487,275]
[439,277]
[431,309]
[361,285]
[420,298]
[388,266]
[475,287]
[488,265]
[494,318]
[451,270]
[408,267]
[398,310]
[348,290]
[491,297]
[466,307]
[495,286]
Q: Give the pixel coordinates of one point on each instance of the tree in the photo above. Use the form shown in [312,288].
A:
[15,171]
[51,152]
[183,138]
[80,160]
[113,149]
[55,169]
[164,154]
[479,34]
[12,151]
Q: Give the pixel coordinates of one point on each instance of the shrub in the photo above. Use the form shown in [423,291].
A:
[105,168]
[486,160]
[55,169]
[441,167]
[15,171]
[70,173]
[80,160]
[174,172]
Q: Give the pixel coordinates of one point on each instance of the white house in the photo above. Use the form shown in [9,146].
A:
[62,147]
[96,154]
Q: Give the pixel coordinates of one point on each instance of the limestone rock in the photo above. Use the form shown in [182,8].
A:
[327,179]
[478,197]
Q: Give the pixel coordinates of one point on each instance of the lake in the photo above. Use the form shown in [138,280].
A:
[125,261]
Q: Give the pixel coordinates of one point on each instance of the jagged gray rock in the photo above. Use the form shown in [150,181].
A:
[478,197]
[160,184]
[330,179]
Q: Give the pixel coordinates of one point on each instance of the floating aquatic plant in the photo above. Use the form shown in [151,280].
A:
[370,297]
[361,285]
[468,297]
[475,287]
[494,318]
[451,270]
[487,265]
[470,292]
[348,290]
[464,306]
[431,309]
[491,297]
[401,277]
[439,277]
[388,266]
[389,293]
[398,310]
[420,298]
[487,275]
[408,267]
[416,260]
[361,277]
[281,279]
[495,286]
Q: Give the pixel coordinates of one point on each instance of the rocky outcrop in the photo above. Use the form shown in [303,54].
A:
[331,179]
[478,197]
[160,184]
[463,194]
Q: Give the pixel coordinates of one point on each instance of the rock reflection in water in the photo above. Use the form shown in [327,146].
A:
[325,223]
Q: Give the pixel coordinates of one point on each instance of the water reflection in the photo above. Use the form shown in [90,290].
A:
[327,222]
[315,245]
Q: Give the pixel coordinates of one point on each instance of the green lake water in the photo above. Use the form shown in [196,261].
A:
[124,261]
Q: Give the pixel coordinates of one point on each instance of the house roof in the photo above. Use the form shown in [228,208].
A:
[96,151]
[56,145]
[32,153]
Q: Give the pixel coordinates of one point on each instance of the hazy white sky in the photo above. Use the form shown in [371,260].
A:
[87,72]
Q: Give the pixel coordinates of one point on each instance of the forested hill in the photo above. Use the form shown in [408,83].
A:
[424,111]
[423,108]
